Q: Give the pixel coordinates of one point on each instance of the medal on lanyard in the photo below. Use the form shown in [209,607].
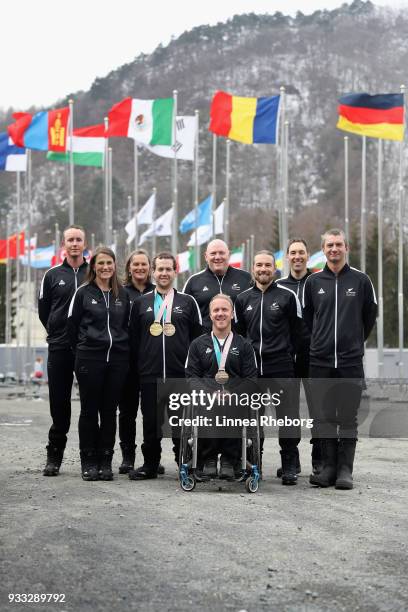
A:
[222,377]
[168,328]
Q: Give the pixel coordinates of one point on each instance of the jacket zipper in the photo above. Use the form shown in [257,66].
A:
[335,325]
[260,333]
[109,331]
[76,277]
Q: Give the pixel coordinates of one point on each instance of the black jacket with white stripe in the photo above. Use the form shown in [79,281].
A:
[340,310]
[56,291]
[205,284]
[303,341]
[162,357]
[271,319]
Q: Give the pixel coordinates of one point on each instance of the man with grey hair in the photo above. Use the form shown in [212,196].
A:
[217,277]
[340,309]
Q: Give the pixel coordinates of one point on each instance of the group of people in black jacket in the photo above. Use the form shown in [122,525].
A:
[226,325]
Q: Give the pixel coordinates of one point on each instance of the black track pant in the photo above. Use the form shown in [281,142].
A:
[60,370]
[128,407]
[336,400]
[100,386]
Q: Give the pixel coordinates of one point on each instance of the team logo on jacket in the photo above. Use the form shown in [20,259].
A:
[149,309]
[61,282]
[249,307]
[350,292]
[118,302]
[177,310]
[236,287]
[274,306]
[205,288]
[208,350]
[234,351]
[321,291]
[94,301]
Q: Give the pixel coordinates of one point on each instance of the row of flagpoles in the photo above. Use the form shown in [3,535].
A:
[241,119]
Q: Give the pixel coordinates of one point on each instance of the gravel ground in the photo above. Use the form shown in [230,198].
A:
[125,546]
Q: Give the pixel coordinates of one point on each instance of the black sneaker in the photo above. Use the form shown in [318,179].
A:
[210,469]
[226,470]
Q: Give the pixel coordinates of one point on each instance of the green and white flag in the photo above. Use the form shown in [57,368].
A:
[148,122]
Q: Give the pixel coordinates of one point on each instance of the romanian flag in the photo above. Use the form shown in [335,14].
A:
[45,131]
[379,116]
[247,120]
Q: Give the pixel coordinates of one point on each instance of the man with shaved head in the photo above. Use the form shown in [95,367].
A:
[217,277]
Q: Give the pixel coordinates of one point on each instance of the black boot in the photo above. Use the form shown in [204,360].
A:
[54,460]
[289,476]
[298,468]
[317,462]
[128,458]
[89,465]
[327,476]
[105,464]
[345,460]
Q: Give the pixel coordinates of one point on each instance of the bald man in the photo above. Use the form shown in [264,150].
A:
[217,277]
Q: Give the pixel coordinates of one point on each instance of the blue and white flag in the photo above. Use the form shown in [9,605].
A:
[12,158]
[40,257]
[203,217]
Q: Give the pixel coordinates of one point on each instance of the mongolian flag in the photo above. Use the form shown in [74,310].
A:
[44,131]
[378,116]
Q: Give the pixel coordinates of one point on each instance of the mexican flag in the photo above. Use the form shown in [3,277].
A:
[148,122]
[237,258]
[88,147]
[185,261]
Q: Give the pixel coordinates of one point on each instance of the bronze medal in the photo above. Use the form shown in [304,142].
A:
[169,329]
[222,377]
[156,329]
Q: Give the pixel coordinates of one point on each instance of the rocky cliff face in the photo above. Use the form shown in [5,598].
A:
[316,58]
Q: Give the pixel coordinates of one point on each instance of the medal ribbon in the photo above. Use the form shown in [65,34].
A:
[163,305]
[222,355]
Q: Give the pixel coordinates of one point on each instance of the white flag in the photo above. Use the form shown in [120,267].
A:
[160,227]
[144,217]
[185,140]
[204,232]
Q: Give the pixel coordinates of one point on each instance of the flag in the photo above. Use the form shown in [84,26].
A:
[237,257]
[12,158]
[278,255]
[41,257]
[186,128]
[45,131]
[160,227]
[317,261]
[189,223]
[205,232]
[88,146]
[61,254]
[247,120]
[144,217]
[378,116]
[148,122]
[12,240]
[185,261]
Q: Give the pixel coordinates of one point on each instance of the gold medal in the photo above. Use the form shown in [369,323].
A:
[156,329]
[169,329]
[221,377]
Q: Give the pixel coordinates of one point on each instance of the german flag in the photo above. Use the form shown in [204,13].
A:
[378,116]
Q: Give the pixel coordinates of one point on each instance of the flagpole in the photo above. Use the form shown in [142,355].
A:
[57,238]
[196,162]
[227,193]
[174,241]
[214,180]
[18,204]
[129,214]
[106,194]
[110,195]
[136,189]
[154,191]
[71,163]
[285,199]
[252,251]
[92,242]
[346,190]
[401,254]
[28,285]
[8,275]
[282,166]
[363,222]
[380,320]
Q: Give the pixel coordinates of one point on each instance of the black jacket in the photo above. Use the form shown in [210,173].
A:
[340,310]
[271,320]
[161,357]
[303,341]
[98,324]
[205,284]
[57,289]
[134,293]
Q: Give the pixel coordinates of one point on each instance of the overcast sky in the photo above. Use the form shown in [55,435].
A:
[50,48]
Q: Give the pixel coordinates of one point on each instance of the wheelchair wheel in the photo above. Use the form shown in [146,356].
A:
[188,483]
[252,484]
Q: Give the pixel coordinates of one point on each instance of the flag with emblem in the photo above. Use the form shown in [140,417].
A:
[237,258]
[88,147]
[186,128]
[44,131]
[148,122]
